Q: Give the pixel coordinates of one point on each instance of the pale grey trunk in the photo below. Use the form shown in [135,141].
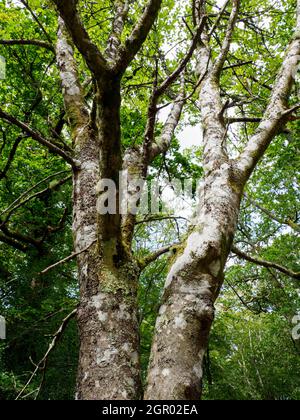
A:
[109,360]
[109,366]
[192,286]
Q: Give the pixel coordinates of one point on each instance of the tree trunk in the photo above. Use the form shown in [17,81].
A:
[109,365]
[192,286]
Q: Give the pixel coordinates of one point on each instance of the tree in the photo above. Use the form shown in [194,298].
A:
[108,270]
[195,279]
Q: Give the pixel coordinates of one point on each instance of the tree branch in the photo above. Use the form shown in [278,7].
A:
[266,264]
[35,135]
[272,216]
[36,195]
[92,55]
[35,42]
[11,242]
[143,263]
[67,259]
[74,102]
[114,41]
[233,66]
[35,18]
[235,120]
[175,113]
[220,60]
[219,17]
[42,363]
[276,114]
[151,219]
[30,190]
[11,156]
[162,145]
[19,237]
[138,36]
[182,65]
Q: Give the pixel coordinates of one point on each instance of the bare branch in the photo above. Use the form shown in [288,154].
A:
[35,42]
[235,120]
[266,264]
[94,59]
[241,64]
[182,65]
[143,263]
[160,219]
[30,190]
[67,259]
[52,187]
[276,114]
[138,36]
[220,60]
[35,135]
[241,299]
[36,19]
[43,362]
[272,216]
[219,17]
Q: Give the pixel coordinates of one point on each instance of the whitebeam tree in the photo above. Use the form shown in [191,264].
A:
[109,360]
[109,363]
[196,277]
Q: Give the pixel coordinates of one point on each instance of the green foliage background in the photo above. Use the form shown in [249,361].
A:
[251,354]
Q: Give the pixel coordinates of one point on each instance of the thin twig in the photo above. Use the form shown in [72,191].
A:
[52,345]
[69,258]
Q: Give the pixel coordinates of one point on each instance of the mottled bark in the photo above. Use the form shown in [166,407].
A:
[114,42]
[195,278]
[107,316]
[109,366]
[192,286]
[108,276]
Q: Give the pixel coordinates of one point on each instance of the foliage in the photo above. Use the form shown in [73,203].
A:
[252,355]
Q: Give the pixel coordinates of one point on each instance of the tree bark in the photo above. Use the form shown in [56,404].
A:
[196,277]
[109,365]
[192,286]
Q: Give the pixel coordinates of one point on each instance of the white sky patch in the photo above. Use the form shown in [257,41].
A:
[221,3]
[189,135]
[179,206]
[16,3]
